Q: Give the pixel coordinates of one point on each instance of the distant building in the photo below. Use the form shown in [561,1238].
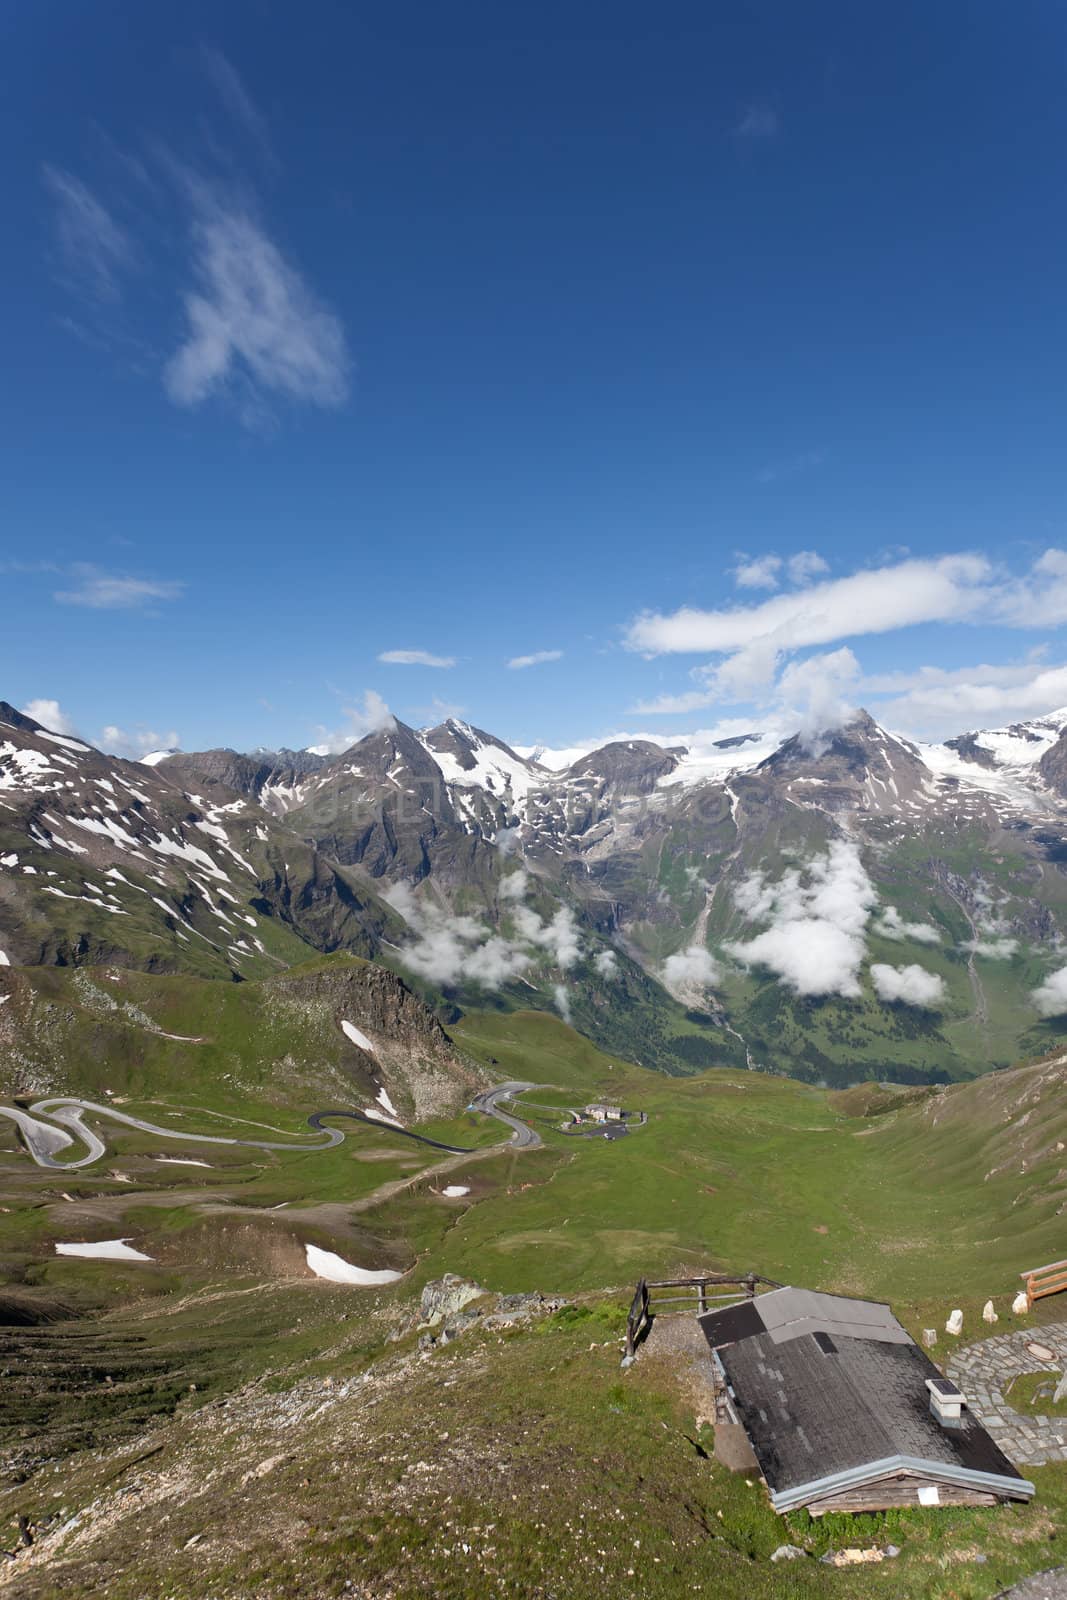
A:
[844,1412]
[604,1113]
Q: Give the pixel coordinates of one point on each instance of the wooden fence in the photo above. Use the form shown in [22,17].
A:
[648,1302]
[1040,1281]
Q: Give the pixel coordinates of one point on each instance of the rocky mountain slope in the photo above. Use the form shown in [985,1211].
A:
[110,860]
[848,906]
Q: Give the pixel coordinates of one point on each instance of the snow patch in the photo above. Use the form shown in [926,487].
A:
[325,1264]
[350,1031]
[104,1250]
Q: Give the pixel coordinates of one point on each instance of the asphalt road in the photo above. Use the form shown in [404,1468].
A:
[523,1136]
[45,1141]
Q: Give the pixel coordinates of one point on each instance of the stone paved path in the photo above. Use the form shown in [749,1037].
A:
[984,1370]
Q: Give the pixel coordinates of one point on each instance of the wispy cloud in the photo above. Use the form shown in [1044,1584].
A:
[944,700]
[254,327]
[231,90]
[95,250]
[139,742]
[415,658]
[806,565]
[949,588]
[758,121]
[112,591]
[757,572]
[255,331]
[765,572]
[517,663]
[370,716]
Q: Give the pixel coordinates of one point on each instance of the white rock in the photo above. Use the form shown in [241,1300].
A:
[988,1314]
[1019,1305]
[955,1322]
[929,1337]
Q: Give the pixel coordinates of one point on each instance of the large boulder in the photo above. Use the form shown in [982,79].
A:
[443,1297]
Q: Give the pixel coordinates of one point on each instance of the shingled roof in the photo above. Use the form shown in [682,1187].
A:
[833,1393]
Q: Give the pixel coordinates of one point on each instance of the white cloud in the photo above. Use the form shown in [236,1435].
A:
[751,644]
[563,1001]
[449,949]
[891,925]
[559,937]
[255,328]
[805,565]
[370,717]
[936,701]
[690,969]
[112,591]
[993,949]
[815,941]
[517,663]
[95,248]
[912,985]
[140,742]
[948,588]
[757,572]
[50,715]
[514,886]
[1050,997]
[415,658]
[758,121]
[817,692]
[606,964]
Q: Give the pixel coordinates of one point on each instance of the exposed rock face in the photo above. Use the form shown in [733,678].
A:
[384,805]
[467,744]
[380,1001]
[625,768]
[268,776]
[968,749]
[1053,765]
[411,1055]
[858,767]
[444,1296]
[105,860]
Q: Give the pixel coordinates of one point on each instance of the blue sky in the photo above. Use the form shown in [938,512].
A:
[483,333]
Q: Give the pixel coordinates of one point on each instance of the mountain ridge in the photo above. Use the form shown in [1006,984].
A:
[602,889]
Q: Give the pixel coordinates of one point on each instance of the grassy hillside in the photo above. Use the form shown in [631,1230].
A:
[930,1198]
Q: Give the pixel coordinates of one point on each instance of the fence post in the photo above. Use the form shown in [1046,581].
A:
[702,1296]
[750,1285]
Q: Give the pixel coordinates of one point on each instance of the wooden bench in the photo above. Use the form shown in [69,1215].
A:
[1041,1281]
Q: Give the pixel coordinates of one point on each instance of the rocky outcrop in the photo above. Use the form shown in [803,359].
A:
[627,767]
[451,1305]
[1053,765]
[412,1055]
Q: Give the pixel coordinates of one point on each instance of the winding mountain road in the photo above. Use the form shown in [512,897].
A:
[45,1141]
[523,1137]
